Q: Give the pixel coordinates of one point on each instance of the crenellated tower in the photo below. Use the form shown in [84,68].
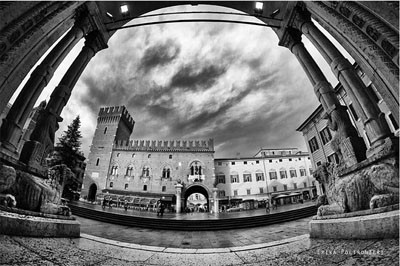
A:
[113,124]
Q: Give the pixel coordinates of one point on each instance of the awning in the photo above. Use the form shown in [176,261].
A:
[166,198]
[144,202]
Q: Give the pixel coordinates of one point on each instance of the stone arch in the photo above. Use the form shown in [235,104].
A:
[92,192]
[196,188]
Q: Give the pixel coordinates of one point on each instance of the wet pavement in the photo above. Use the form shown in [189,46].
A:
[195,239]
[197,215]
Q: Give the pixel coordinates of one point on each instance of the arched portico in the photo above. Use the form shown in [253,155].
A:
[196,188]
[98,21]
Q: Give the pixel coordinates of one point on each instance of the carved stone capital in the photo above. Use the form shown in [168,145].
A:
[290,38]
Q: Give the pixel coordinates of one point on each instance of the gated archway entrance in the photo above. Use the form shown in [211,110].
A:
[196,188]
[92,192]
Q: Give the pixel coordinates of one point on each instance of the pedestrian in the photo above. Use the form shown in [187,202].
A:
[162,207]
[267,206]
[126,205]
[110,203]
[158,207]
[275,205]
[103,205]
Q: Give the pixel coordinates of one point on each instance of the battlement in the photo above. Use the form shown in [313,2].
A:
[166,145]
[107,114]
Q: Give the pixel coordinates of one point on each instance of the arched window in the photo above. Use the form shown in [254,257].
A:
[105,130]
[133,155]
[97,161]
[114,170]
[166,172]
[129,171]
[111,184]
[126,186]
[170,156]
[149,156]
[196,169]
[145,171]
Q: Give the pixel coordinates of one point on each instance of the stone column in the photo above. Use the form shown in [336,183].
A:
[41,142]
[12,126]
[178,188]
[373,119]
[349,147]
[215,198]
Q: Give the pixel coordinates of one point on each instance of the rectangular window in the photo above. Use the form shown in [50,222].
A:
[304,184]
[318,163]
[273,175]
[295,185]
[313,144]
[144,187]
[303,172]
[260,176]
[285,187]
[270,161]
[246,177]
[221,179]
[261,190]
[293,173]
[353,111]
[221,193]
[274,188]
[290,159]
[311,171]
[280,160]
[245,162]
[126,186]
[257,162]
[333,158]
[233,163]
[164,188]
[283,174]
[235,193]
[325,135]
[234,179]
[219,163]
[248,191]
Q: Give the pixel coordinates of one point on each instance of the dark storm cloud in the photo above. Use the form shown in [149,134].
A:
[194,75]
[159,55]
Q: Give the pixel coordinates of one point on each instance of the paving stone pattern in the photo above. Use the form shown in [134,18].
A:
[300,250]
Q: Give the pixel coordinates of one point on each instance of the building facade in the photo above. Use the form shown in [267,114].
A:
[152,169]
[317,134]
[284,175]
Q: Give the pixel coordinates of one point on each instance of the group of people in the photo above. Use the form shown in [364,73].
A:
[267,205]
[160,205]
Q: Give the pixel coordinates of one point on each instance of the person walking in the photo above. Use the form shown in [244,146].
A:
[103,205]
[267,209]
[162,207]
[158,206]
[126,204]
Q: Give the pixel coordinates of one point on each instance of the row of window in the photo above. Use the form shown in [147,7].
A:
[247,177]
[163,188]
[166,172]
[325,135]
[258,162]
[221,193]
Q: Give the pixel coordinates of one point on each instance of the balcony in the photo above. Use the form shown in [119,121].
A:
[196,178]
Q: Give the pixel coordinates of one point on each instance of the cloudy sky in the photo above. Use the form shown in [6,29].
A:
[229,82]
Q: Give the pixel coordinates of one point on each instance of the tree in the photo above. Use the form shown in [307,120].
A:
[70,143]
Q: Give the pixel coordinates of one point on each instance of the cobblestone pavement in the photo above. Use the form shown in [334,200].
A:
[301,250]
